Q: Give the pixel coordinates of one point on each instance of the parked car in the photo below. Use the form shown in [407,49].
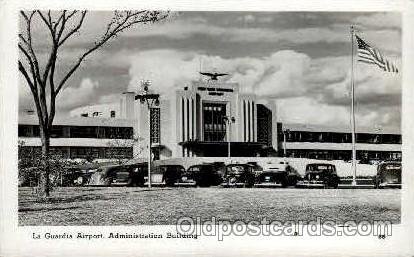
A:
[277,174]
[388,175]
[293,176]
[320,175]
[120,175]
[165,175]
[238,175]
[203,175]
[257,169]
[76,177]
[79,175]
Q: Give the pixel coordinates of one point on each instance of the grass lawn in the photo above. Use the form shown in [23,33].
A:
[162,206]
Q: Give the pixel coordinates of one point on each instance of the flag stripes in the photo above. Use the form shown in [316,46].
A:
[370,55]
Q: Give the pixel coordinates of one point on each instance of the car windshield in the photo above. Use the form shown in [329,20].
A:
[172,168]
[203,168]
[236,168]
[395,167]
[196,168]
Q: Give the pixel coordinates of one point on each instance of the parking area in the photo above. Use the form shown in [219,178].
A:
[161,206]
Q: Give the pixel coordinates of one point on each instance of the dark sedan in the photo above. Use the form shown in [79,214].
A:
[238,175]
[388,175]
[120,175]
[203,175]
[279,174]
[165,175]
[320,175]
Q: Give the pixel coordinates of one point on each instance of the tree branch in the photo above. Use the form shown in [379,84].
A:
[48,23]
[27,77]
[62,26]
[74,30]
[29,44]
[33,88]
[53,52]
[58,21]
[71,14]
[33,85]
[122,23]
[52,93]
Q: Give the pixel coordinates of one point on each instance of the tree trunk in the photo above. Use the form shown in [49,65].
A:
[44,180]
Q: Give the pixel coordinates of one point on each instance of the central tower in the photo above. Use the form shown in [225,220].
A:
[204,109]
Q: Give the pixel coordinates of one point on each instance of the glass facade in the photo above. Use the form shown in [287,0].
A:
[214,124]
[364,156]
[79,132]
[85,152]
[82,132]
[336,137]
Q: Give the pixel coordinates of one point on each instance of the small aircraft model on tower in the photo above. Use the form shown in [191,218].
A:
[213,76]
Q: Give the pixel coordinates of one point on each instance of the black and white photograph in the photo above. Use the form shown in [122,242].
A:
[214,123]
[243,115]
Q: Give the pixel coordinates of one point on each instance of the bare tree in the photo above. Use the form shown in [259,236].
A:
[41,79]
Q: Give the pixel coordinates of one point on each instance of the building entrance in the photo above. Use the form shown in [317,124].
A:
[214,125]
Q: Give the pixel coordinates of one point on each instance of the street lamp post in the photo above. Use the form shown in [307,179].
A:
[229,121]
[151,100]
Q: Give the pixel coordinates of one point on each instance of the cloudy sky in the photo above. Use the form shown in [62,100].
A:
[300,60]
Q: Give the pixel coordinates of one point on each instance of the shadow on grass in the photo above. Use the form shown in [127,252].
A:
[152,190]
[47,209]
[62,200]
[74,199]
[103,196]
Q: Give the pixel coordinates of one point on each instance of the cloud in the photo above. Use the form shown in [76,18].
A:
[166,69]
[73,97]
[308,110]
[68,99]
[284,76]
[301,80]
[306,87]
[256,27]
[380,20]
[275,76]
[373,86]
[181,30]
[253,27]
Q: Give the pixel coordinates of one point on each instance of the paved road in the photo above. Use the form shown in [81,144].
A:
[134,206]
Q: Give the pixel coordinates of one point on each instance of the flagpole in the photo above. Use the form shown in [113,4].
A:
[353,109]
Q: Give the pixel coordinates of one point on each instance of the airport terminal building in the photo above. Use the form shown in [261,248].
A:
[200,120]
[203,117]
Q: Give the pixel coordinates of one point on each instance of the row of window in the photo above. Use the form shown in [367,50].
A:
[344,155]
[214,122]
[79,132]
[334,137]
[83,152]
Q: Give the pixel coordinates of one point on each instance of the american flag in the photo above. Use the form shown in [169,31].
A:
[370,55]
